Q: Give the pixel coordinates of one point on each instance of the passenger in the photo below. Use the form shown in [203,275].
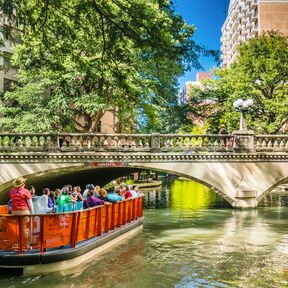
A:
[53,197]
[77,193]
[32,191]
[57,193]
[114,196]
[21,198]
[88,187]
[103,194]
[64,198]
[134,191]
[127,193]
[72,194]
[96,191]
[93,201]
[70,189]
[49,202]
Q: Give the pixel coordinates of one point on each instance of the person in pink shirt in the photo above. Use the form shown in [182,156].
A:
[127,193]
[21,198]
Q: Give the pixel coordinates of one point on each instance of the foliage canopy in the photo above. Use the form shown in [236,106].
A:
[80,58]
[260,72]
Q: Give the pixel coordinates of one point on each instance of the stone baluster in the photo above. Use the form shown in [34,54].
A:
[286,146]
[282,145]
[270,144]
[133,144]
[147,145]
[140,144]
[197,145]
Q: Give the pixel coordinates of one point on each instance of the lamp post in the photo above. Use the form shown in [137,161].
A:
[242,107]
[244,138]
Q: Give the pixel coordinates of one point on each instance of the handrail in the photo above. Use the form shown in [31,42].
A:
[126,143]
[93,142]
[48,231]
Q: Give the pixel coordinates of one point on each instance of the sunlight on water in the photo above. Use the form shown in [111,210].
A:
[190,195]
[188,244]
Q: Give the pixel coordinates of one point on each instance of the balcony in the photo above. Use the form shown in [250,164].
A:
[254,3]
[244,32]
[255,15]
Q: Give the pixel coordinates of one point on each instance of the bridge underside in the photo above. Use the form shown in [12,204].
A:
[242,184]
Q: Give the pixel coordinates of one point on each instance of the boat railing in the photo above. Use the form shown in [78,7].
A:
[43,232]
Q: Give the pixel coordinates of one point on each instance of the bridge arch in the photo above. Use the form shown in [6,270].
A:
[240,181]
[204,182]
[265,193]
[44,172]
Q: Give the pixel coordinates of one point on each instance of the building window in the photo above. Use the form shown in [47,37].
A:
[9,84]
[7,58]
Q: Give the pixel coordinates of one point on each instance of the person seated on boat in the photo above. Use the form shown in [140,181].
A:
[70,192]
[32,191]
[53,197]
[115,196]
[70,189]
[96,191]
[64,198]
[57,193]
[49,201]
[103,194]
[88,187]
[21,198]
[127,193]
[77,193]
[134,191]
[93,201]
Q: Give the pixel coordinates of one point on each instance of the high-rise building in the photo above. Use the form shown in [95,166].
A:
[247,18]
[184,94]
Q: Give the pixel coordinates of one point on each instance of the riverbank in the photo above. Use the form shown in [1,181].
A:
[149,184]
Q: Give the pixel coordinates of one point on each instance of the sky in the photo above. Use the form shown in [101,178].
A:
[208,16]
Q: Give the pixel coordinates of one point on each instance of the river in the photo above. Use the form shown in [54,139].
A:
[191,238]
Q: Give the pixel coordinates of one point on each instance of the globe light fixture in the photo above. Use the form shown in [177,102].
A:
[242,106]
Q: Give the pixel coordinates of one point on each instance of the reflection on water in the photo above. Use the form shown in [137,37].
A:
[192,246]
[182,195]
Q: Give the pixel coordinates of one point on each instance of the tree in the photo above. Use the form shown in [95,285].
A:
[81,58]
[260,72]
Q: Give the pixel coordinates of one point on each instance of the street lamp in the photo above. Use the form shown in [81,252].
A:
[242,106]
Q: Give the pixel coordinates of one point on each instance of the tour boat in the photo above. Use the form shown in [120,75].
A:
[44,243]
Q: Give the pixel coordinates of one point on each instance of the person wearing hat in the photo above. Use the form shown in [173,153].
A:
[21,198]
[88,187]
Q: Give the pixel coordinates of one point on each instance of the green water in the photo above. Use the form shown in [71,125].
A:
[190,243]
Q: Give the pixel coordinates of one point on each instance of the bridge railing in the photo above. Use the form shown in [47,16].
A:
[271,143]
[96,142]
[88,142]
[20,233]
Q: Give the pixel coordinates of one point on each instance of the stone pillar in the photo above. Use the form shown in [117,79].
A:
[55,146]
[155,143]
[243,141]
[245,198]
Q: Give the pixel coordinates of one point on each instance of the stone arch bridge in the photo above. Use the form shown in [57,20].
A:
[242,168]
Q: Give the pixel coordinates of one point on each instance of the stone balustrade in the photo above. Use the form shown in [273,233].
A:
[271,143]
[158,143]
